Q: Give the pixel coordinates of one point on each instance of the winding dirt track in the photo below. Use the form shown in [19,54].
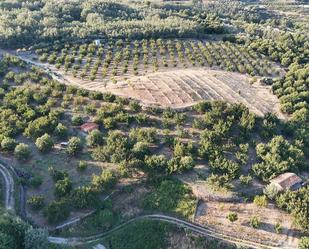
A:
[204,231]
[9,187]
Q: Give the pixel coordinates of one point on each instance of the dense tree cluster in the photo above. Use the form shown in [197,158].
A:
[278,156]
[296,202]
[45,21]
[17,234]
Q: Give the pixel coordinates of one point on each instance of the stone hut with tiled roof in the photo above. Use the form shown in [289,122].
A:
[287,181]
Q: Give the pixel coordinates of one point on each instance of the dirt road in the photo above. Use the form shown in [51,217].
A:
[9,187]
[204,231]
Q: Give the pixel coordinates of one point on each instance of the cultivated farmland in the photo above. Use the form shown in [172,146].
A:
[169,73]
[118,60]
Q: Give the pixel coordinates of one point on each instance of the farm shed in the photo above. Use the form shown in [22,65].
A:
[287,181]
[89,126]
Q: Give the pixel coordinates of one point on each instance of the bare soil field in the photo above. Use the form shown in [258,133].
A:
[214,206]
[215,217]
[179,88]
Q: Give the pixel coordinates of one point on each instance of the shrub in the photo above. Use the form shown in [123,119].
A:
[63,187]
[277,157]
[278,228]
[40,126]
[255,221]
[135,106]
[105,181]
[36,239]
[74,146]
[104,219]
[245,180]
[8,144]
[271,191]
[77,120]
[155,162]
[180,164]
[232,216]
[260,201]
[35,181]
[44,143]
[218,182]
[22,151]
[36,202]
[57,174]
[81,166]
[6,241]
[84,197]
[95,138]
[171,196]
[57,211]
[61,131]
[304,243]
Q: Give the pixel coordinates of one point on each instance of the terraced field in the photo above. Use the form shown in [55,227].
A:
[180,88]
[169,73]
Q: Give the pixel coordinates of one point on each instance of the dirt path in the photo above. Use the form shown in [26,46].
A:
[204,231]
[9,187]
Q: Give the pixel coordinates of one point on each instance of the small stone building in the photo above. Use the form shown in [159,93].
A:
[287,181]
[88,127]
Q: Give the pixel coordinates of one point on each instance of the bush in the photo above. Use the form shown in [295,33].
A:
[81,166]
[22,151]
[8,144]
[6,241]
[135,106]
[171,196]
[180,164]
[44,143]
[40,126]
[57,211]
[260,201]
[36,239]
[278,228]
[255,221]
[304,243]
[232,216]
[245,180]
[57,174]
[95,138]
[63,187]
[77,120]
[271,191]
[61,131]
[84,197]
[104,219]
[155,162]
[277,156]
[105,181]
[74,146]
[36,202]
[35,181]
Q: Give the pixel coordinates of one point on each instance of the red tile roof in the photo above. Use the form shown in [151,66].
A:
[287,180]
[87,127]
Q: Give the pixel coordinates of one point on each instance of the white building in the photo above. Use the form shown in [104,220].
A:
[97,42]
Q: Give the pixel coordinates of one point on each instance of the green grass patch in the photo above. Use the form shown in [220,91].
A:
[144,234]
[172,196]
[102,220]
